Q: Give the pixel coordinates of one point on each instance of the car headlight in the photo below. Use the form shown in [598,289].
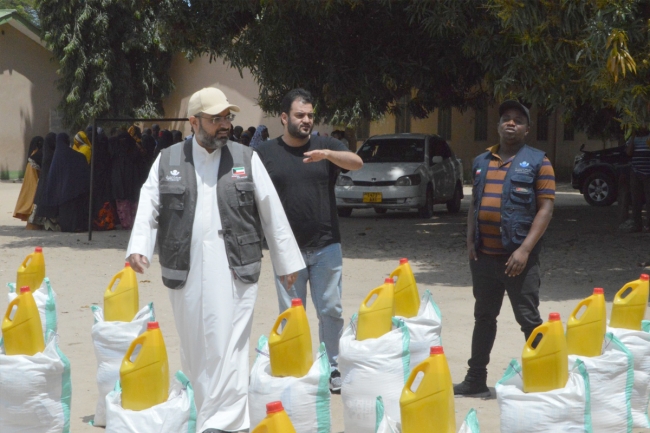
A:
[344,181]
[410,180]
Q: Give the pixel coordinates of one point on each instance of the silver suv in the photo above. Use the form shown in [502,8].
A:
[402,171]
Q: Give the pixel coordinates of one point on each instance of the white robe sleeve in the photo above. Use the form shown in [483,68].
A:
[145,226]
[285,254]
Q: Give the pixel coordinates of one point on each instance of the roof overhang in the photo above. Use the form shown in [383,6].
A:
[12,18]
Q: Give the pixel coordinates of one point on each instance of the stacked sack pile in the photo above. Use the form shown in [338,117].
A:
[593,379]
[34,373]
[393,368]
[132,367]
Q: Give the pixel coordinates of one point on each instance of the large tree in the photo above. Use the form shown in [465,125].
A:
[113,61]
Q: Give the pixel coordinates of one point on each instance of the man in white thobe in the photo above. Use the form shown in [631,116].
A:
[213,311]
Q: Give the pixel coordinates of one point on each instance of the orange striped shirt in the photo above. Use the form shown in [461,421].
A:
[489,214]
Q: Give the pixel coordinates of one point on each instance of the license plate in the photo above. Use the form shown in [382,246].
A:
[372,197]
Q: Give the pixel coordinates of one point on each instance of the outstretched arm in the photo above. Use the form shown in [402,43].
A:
[342,158]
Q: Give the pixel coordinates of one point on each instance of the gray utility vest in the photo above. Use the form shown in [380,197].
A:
[518,199]
[240,221]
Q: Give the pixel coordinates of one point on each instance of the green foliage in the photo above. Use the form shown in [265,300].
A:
[112,59]
[356,57]
[24,7]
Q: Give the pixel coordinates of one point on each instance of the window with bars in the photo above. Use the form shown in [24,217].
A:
[481,124]
[403,117]
[444,123]
[542,126]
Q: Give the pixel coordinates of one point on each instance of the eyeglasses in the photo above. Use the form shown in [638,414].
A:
[219,119]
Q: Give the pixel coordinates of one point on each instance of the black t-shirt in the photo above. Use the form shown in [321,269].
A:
[306,190]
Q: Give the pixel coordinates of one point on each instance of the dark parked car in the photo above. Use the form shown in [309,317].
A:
[595,174]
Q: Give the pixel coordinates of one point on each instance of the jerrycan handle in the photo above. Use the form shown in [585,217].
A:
[583,303]
[135,343]
[112,283]
[285,315]
[374,291]
[541,329]
[10,307]
[27,259]
[420,368]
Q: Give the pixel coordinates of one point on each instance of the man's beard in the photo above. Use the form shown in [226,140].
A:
[210,141]
[296,132]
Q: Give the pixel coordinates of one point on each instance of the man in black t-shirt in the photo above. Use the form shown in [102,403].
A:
[303,168]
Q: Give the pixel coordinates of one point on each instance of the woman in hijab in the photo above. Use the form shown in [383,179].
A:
[125,176]
[45,216]
[261,134]
[25,202]
[82,145]
[68,185]
[104,215]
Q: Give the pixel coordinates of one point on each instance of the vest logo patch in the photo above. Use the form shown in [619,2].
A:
[478,171]
[524,164]
[173,176]
[239,173]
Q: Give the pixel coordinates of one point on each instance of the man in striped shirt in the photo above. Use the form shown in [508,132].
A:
[639,149]
[512,205]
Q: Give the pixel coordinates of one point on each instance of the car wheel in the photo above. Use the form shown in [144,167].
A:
[453,205]
[344,211]
[380,210]
[599,190]
[426,211]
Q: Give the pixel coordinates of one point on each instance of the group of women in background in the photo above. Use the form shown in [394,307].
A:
[56,186]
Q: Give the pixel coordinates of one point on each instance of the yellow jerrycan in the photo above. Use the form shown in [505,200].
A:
[145,380]
[585,334]
[407,298]
[121,302]
[22,331]
[376,318]
[276,421]
[629,304]
[32,271]
[290,348]
[545,361]
[428,407]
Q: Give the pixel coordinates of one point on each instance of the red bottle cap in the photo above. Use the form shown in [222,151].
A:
[127,264]
[274,407]
[389,281]
[644,277]
[436,350]
[599,291]
[296,302]
[153,325]
[403,260]
[554,317]
[38,249]
[24,289]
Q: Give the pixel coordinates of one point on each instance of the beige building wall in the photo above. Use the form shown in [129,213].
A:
[27,95]
[560,152]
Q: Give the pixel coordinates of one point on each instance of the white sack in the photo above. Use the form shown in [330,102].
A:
[369,369]
[611,378]
[111,341]
[387,425]
[45,299]
[305,399]
[424,329]
[35,391]
[176,415]
[565,410]
[638,342]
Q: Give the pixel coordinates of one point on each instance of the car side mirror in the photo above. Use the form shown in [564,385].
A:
[436,160]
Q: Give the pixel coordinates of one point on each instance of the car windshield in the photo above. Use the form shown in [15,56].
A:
[393,150]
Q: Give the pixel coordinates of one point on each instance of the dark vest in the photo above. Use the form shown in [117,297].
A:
[241,227]
[518,199]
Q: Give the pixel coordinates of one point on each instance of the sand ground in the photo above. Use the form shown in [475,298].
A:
[583,250]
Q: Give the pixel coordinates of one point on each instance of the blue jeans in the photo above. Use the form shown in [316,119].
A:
[324,273]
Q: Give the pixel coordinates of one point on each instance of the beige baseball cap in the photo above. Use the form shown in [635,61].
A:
[209,100]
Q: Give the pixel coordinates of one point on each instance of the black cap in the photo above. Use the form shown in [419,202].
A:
[511,103]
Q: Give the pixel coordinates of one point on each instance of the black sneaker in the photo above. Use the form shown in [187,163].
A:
[472,389]
[335,382]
